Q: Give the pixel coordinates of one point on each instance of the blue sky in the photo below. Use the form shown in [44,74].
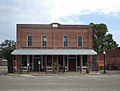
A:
[13,12]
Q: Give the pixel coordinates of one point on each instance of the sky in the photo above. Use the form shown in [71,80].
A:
[83,12]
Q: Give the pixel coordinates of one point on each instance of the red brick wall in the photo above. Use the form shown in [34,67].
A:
[112,57]
[54,35]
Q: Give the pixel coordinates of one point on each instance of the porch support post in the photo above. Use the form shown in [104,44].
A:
[90,62]
[13,59]
[46,64]
[63,64]
[32,62]
[28,64]
[81,63]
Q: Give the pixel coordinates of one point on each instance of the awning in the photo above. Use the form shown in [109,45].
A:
[54,52]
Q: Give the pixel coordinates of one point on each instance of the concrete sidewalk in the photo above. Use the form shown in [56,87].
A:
[52,74]
[3,70]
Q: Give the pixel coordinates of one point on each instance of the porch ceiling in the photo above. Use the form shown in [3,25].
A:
[54,52]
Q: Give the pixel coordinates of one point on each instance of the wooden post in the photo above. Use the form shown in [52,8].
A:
[63,64]
[80,63]
[45,64]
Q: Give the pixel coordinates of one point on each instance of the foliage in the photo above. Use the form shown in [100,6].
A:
[88,68]
[7,48]
[6,53]
[56,67]
[8,43]
[101,40]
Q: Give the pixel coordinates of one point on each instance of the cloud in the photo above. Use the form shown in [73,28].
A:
[64,8]
[48,11]
[21,11]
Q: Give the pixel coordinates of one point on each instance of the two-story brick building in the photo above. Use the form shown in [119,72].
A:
[68,45]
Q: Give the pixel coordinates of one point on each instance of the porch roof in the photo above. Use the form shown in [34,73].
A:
[54,52]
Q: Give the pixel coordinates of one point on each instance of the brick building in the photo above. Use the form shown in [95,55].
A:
[112,59]
[68,45]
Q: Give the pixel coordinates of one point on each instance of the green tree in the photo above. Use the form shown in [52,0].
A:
[101,40]
[7,48]
[8,43]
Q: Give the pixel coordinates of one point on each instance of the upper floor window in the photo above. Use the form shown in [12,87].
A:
[44,40]
[65,40]
[80,41]
[29,40]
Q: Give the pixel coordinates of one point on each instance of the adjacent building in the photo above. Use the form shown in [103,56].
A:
[44,44]
[112,59]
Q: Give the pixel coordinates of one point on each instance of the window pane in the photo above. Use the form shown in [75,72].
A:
[44,41]
[78,60]
[65,41]
[29,40]
[79,40]
[24,61]
[60,60]
[49,60]
[65,60]
[84,60]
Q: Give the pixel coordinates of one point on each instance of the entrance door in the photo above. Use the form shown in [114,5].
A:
[36,64]
[72,64]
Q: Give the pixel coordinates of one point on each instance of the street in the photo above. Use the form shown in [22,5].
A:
[26,82]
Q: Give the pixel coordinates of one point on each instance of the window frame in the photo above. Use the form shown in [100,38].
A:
[42,41]
[80,42]
[67,41]
[29,42]
[49,61]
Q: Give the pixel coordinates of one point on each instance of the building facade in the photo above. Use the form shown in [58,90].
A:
[41,45]
[112,59]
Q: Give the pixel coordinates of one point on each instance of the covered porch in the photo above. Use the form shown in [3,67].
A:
[43,59]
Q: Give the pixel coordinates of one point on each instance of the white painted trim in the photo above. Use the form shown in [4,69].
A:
[42,61]
[32,62]
[76,62]
[49,68]
[67,63]
[41,40]
[27,40]
[28,62]
[77,41]
[66,67]
[63,40]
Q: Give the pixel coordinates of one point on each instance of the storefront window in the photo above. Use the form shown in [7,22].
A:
[60,60]
[84,60]
[65,59]
[49,60]
[24,60]
[78,60]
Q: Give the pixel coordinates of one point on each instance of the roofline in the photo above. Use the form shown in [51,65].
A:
[50,25]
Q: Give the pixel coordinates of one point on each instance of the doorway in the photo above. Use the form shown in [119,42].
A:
[72,64]
[36,64]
